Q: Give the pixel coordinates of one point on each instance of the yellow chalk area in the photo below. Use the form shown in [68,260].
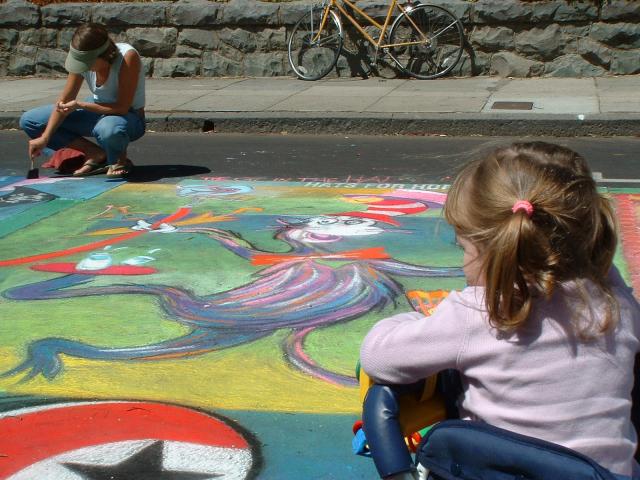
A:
[250,377]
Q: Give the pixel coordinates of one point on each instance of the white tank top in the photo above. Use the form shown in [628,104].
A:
[108,91]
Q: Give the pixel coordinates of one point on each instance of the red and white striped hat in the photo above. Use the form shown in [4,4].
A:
[385,206]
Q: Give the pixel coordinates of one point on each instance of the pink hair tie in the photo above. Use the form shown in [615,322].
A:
[523,205]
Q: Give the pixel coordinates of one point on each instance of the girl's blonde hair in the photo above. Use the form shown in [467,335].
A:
[569,236]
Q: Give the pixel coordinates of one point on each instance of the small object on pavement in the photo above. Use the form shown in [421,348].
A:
[33,172]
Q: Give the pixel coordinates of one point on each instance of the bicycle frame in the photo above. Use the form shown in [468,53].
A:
[424,41]
[339,5]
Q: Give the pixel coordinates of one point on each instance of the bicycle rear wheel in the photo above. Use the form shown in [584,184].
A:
[428,41]
[313,52]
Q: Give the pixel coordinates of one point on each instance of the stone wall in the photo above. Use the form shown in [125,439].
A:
[248,37]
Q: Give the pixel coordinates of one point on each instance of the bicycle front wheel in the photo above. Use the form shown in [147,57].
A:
[315,43]
[426,41]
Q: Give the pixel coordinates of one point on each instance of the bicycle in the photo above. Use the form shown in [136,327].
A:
[424,41]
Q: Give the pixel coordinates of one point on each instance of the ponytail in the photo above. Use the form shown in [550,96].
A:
[535,215]
[508,298]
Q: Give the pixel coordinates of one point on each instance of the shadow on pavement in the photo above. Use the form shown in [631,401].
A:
[150,173]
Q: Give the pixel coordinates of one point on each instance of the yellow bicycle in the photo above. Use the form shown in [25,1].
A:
[424,41]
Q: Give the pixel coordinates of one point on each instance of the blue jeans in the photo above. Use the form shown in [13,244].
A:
[112,132]
[634,476]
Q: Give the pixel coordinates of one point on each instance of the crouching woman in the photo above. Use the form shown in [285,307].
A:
[114,116]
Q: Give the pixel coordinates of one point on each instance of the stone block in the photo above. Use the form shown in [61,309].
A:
[508,64]
[249,12]
[193,13]
[8,38]
[620,10]
[625,62]
[240,39]
[185,51]
[231,53]
[5,58]
[493,39]
[540,43]
[268,40]
[65,14]
[153,42]
[50,60]
[27,50]
[42,37]
[21,65]
[578,31]
[290,13]
[215,65]
[199,38]
[501,11]
[572,65]
[147,66]
[595,52]
[176,67]
[578,11]
[19,13]
[264,64]
[64,37]
[544,12]
[461,9]
[617,35]
[119,34]
[130,14]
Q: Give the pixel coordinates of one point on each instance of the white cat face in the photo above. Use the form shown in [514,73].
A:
[327,228]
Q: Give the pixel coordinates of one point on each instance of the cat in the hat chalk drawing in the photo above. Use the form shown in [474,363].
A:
[313,285]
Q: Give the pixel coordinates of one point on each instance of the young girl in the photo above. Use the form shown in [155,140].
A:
[545,334]
[115,117]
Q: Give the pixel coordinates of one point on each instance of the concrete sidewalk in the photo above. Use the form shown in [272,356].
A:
[451,106]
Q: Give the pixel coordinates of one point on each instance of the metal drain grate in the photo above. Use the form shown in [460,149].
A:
[512,106]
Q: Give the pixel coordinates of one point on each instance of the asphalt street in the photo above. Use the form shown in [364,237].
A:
[337,158]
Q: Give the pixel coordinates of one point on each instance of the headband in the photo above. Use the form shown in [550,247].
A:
[80,61]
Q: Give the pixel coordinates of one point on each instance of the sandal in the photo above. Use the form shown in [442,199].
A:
[120,170]
[95,168]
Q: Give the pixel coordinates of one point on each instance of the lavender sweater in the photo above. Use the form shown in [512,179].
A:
[542,381]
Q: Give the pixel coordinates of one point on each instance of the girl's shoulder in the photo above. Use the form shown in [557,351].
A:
[468,297]
[462,306]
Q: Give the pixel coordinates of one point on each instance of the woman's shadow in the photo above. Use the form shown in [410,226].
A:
[151,173]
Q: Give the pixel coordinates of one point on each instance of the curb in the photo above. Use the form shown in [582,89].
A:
[605,125]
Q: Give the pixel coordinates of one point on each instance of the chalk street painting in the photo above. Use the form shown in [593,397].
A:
[207,328]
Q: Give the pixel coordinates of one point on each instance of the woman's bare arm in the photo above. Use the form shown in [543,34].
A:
[127,84]
[68,94]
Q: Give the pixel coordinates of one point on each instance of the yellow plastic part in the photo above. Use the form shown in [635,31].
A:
[417,411]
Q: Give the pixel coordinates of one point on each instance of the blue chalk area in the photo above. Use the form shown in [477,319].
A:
[8,212]
[68,188]
[6,180]
[77,189]
[34,213]
[309,446]
[68,192]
